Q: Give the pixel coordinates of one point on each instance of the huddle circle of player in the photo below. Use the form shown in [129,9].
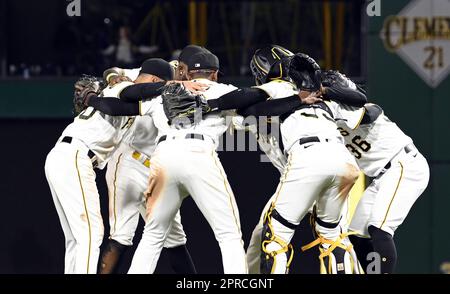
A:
[329,134]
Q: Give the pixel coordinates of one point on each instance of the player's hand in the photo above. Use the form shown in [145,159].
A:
[310,97]
[193,87]
[118,79]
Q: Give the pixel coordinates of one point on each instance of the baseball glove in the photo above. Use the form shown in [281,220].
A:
[83,89]
[304,72]
[334,79]
[181,106]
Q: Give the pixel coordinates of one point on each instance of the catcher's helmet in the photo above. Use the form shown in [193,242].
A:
[266,64]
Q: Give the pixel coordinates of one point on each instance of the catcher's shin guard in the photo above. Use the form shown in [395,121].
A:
[336,255]
[272,246]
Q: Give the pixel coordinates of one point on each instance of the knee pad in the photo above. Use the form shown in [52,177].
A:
[270,240]
[336,256]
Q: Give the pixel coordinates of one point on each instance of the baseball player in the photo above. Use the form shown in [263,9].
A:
[85,144]
[128,166]
[329,182]
[401,174]
[185,162]
[267,66]
[127,176]
[384,152]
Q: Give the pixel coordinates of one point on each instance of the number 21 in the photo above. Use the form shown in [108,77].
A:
[435,52]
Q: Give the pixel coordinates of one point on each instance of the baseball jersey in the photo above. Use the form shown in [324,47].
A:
[142,134]
[373,145]
[305,122]
[212,125]
[267,143]
[100,132]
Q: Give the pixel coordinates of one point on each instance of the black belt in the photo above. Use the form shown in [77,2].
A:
[306,140]
[188,136]
[90,154]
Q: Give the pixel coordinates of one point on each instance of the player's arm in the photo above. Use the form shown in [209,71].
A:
[282,106]
[143,91]
[237,99]
[339,88]
[345,96]
[276,107]
[113,106]
[138,92]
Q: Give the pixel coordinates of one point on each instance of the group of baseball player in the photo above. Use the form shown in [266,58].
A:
[157,128]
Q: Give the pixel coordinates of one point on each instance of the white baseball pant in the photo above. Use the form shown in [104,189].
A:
[127,179]
[389,198]
[181,167]
[321,172]
[71,178]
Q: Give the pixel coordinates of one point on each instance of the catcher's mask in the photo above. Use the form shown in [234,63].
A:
[266,64]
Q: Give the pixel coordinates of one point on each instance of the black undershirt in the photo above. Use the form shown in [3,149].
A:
[137,92]
[237,99]
[128,105]
[113,106]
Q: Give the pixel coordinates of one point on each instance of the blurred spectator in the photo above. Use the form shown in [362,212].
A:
[125,51]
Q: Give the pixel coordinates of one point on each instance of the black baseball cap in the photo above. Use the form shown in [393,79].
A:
[203,61]
[190,50]
[157,67]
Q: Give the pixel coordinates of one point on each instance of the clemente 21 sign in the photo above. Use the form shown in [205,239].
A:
[420,35]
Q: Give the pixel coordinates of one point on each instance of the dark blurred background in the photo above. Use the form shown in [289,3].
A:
[42,40]
[43,50]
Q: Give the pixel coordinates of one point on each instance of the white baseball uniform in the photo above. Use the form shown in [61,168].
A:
[321,172]
[90,140]
[383,151]
[127,178]
[185,162]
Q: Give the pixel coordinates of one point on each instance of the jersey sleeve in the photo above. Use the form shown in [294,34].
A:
[278,88]
[114,91]
[146,106]
[132,73]
[350,116]
[217,90]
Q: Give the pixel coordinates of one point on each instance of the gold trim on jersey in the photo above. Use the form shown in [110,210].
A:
[85,211]
[360,119]
[395,192]
[115,193]
[140,107]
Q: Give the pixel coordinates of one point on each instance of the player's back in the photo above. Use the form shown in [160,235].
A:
[142,135]
[371,137]
[308,121]
[98,131]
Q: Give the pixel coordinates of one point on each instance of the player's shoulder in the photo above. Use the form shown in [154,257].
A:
[114,91]
[278,88]
[215,89]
